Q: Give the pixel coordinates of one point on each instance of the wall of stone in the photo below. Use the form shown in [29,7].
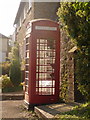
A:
[20,35]
[38,10]
[66,69]
[46,10]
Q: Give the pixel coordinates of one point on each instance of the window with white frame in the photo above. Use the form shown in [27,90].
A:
[30,4]
[26,7]
[24,13]
[20,22]
[22,16]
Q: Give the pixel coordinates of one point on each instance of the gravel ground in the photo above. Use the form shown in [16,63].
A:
[15,109]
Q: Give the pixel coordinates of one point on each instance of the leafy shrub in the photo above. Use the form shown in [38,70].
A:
[5,66]
[15,73]
[6,83]
[15,68]
[81,112]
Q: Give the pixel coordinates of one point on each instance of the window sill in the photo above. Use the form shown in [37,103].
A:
[19,28]
[16,33]
[23,20]
[29,10]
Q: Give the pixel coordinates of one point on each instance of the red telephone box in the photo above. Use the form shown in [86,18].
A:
[42,62]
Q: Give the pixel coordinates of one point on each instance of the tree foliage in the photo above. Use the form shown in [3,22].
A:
[5,66]
[15,68]
[75,19]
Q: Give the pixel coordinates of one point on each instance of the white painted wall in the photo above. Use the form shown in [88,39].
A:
[3,49]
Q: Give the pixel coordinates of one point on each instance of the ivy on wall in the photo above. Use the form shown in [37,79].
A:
[75,19]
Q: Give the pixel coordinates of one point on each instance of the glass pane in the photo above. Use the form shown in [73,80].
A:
[37,40]
[27,40]
[26,88]
[53,83]
[45,83]
[41,62]
[27,61]
[37,46]
[27,54]
[37,62]
[27,75]
[36,68]
[41,75]
[37,54]
[53,91]
[46,66]
[36,83]
[42,41]
[27,68]
[26,82]
[46,91]
[37,76]
[42,54]
[42,47]
[41,69]
[27,47]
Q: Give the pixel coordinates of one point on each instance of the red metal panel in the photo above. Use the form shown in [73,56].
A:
[43,30]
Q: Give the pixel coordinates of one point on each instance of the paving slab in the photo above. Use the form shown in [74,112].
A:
[50,111]
[14,109]
[12,96]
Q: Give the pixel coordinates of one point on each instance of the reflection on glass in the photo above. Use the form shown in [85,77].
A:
[45,66]
[27,61]
[26,88]
[42,47]
[27,68]
[27,40]
[27,47]
[46,83]
[37,76]
[26,82]
[27,54]
[46,91]
[27,75]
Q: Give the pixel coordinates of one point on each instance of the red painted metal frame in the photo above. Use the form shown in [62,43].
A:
[33,98]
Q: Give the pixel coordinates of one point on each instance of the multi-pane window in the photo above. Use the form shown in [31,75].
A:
[45,70]
[27,64]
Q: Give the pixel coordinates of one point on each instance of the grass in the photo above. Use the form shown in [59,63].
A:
[81,112]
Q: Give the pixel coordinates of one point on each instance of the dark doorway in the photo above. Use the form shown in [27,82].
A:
[78,97]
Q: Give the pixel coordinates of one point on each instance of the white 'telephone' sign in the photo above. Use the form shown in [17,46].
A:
[45,28]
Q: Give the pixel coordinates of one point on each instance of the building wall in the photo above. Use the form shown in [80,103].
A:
[46,10]
[3,49]
[20,35]
[66,68]
[37,11]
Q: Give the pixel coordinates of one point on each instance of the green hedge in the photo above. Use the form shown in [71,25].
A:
[75,20]
[5,67]
[7,85]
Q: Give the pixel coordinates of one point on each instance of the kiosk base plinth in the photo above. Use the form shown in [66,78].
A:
[28,106]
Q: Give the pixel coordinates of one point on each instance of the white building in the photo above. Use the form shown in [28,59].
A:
[3,47]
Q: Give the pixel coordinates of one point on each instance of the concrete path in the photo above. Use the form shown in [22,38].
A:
[12,96]
[15,109]
[12,106]
[52,110]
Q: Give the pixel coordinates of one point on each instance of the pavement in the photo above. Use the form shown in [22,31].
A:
[12,109]
[51,111]
[12,106]
[12,96]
